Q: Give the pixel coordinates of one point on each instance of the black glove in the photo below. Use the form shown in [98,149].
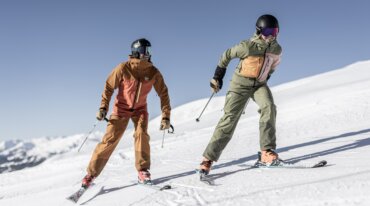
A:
[100,115]
[216,82]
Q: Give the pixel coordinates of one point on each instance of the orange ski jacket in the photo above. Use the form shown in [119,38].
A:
[134,86]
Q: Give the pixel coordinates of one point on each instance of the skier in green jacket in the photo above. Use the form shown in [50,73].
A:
[259,57]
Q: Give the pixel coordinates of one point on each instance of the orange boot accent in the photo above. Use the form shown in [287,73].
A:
[205,166]
[269,156]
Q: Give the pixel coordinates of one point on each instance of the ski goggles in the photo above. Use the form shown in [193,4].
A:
[270,32]
[145,50]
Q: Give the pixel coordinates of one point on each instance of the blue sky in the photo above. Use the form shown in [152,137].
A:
[56,55]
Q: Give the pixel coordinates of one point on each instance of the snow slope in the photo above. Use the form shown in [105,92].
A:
[321,117]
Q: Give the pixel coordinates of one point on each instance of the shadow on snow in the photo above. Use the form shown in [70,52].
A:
[354,145]
[103,191]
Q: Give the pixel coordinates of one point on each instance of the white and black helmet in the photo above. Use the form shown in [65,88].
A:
[141,47]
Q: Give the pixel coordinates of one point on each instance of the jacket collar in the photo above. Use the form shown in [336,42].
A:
[257,38]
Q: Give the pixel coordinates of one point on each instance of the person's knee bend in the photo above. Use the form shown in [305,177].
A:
[268,108]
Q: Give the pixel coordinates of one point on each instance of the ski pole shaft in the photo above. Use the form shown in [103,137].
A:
[205,106]
[87,136]
[164,133]
[171,132]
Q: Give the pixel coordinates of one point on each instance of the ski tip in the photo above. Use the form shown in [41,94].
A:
[166,187]
[322,163]
[72,199]
[76,196]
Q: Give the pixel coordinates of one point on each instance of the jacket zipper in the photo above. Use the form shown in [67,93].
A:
[264,59]
[137,95]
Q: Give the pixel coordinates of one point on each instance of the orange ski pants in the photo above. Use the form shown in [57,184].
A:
[115,129]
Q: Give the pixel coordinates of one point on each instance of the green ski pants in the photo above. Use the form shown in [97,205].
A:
[236,99]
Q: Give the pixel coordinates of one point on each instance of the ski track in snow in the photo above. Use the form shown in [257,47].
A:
[321,117]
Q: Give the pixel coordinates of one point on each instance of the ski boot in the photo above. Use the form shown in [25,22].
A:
[205,166]
[144,177]
[87,181]
[268,158]
[203,171]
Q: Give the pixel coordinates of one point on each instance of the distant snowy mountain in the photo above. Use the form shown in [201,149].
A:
[20,154]
[320,117]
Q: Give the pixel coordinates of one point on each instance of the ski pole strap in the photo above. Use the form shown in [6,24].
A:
[172,129]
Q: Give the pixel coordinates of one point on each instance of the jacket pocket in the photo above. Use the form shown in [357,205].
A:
[251,66]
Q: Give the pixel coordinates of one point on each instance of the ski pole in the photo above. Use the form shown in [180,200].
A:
[90,133]
[205,106]
[164,133]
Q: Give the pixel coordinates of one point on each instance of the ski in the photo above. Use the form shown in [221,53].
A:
[76,196]
[151,185]
[283,164]
[203,177]
[157,187]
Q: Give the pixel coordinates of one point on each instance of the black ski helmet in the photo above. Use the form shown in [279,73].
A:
[140,47]
[266,21]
